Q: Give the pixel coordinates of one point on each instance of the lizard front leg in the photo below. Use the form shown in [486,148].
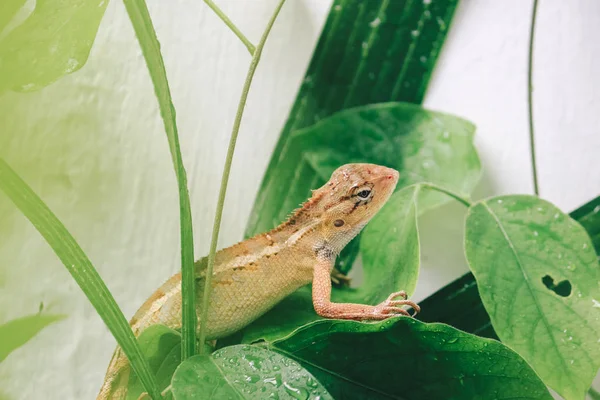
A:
[321,294]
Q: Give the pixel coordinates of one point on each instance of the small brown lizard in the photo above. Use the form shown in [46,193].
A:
[253,276]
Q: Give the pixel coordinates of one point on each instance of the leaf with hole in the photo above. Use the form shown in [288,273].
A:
[15,333]
[539,280]
[55,39]
[245,372]
[407,359]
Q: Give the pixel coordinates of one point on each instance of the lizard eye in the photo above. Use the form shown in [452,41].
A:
[364,194]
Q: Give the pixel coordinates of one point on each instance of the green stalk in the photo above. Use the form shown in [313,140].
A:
[231,26]
[536,187]
[81,269]
[225,178]
[142,24]
[447,192]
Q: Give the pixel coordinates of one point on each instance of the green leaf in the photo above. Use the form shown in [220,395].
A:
[458,303]
[54,40]
[15,333]
[144,30]
[390,247]
[79,266]
[244,372]
[162,348]
[407,359]
[539,280]
[424,146]
[369,52]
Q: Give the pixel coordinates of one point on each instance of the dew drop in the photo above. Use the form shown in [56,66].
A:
[375,23]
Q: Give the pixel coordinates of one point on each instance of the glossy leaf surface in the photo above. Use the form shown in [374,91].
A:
[245,372]
[407,359]
[539,280]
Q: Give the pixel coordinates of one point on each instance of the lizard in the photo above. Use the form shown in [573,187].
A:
[252,276]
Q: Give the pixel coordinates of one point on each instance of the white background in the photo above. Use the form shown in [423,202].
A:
[93,146]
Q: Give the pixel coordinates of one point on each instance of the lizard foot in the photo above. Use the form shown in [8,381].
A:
[339,278]
[391,307]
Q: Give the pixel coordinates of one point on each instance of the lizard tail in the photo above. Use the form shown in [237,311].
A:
[164,307]
[117,377]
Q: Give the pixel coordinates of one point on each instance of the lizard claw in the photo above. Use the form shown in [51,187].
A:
[391,307]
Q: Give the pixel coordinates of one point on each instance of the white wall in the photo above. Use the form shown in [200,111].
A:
[93,146]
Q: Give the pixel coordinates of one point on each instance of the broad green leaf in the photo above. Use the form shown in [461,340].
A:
[15,333]
[407,359]
[539,280]
[79,266]
[244,372]
[144,30]
[368,52]
[458,303]
[423,145]
[162,348]
[390,247]
[54,40]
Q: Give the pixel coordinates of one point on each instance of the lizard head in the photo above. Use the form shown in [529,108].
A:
[353,195]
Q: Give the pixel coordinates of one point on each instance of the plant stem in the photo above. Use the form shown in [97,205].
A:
[594,394]
[536,188]
[231,26]
[450,193]
[144,30]
[225,177]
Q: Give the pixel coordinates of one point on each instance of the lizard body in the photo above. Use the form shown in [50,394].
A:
[252,276]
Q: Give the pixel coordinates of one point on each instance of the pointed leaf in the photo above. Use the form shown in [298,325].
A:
[407,359]
[390,247]
[539,280]
[15,333]
[244,372]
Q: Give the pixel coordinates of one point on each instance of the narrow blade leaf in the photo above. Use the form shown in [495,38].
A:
[144,30]
[80,268]
[539,280]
